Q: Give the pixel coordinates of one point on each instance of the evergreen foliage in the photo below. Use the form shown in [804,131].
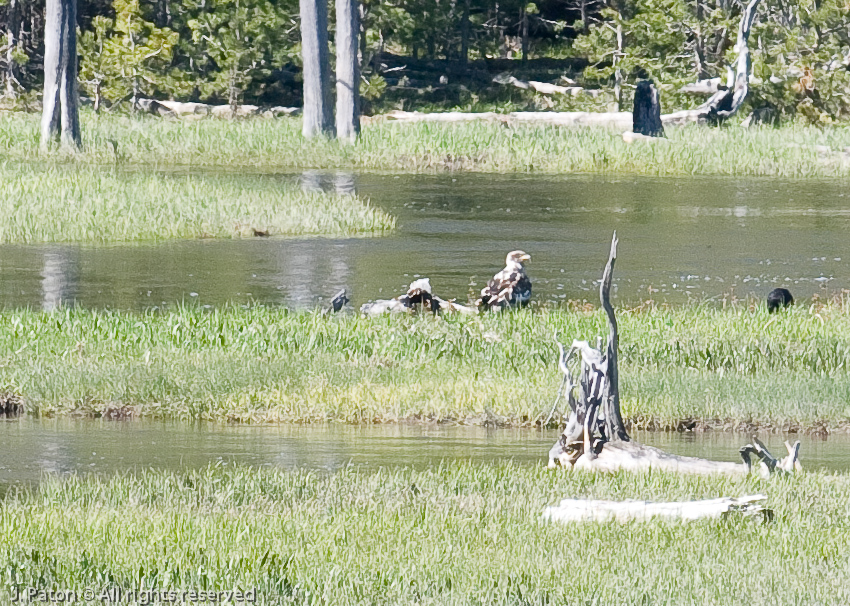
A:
[235,51]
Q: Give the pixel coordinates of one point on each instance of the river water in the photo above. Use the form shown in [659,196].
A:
[681,239]
[61,446]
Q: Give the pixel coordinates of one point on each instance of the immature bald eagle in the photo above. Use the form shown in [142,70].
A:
[510,287]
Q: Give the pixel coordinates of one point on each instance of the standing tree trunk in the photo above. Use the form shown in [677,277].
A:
[618,73]
[347,70]
[524,33]
[318,112]
[12,29]
[464,35]
[60,118]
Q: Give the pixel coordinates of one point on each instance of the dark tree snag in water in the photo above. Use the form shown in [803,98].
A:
[60,118]
[347,70]
[595,436]
[646,117]
[318,112]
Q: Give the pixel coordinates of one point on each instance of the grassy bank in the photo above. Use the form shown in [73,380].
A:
[277,144]
[733,368]
[81,203]
[458,534]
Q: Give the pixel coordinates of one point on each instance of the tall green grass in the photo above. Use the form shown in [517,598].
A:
[728,367]
[277,144]
[52,202]
[455,534]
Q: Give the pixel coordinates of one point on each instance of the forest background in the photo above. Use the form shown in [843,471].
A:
[445,54]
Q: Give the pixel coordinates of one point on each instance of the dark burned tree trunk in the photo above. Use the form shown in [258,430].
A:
[464,35]
[646,117]
[60,118]
[318,112]
[347,70]
[524,33]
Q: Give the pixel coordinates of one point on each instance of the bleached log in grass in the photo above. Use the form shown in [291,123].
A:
[617,120]
[595,510]
[543,88]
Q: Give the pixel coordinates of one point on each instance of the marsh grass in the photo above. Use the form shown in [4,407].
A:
[730,367]
[457,533]
[277,144]
[50,202]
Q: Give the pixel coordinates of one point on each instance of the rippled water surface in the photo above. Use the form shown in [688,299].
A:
[681,239]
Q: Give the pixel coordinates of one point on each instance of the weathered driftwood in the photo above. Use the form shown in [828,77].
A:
[596,510]
[727,100]
[595,437]
[769,464]
[617,120]
[543,88]
[418,297]
[702,87]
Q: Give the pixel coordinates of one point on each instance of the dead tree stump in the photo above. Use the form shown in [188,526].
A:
[595,436]
[646,117]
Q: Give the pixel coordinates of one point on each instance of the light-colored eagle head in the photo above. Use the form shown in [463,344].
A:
[516,258]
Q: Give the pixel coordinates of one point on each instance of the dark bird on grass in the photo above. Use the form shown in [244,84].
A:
[779,298]
[339,301]
[510,287]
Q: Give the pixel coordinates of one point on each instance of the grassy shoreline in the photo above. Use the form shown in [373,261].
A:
[456,534]
[276,144]
[694,366]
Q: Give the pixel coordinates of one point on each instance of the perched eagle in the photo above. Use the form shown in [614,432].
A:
[510,287]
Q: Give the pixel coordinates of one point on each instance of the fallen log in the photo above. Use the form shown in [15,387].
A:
[595,437]
[543,88]
[617,120]
[596,510]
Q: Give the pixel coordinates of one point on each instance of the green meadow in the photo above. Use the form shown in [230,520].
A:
[277,144]
[733,368]
[456,534]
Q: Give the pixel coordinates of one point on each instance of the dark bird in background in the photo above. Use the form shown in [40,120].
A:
[510,287]
[779,298]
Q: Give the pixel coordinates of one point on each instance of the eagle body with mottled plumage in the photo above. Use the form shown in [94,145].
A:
[510,287]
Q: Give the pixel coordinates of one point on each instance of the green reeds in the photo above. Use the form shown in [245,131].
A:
[454,534]
[274,144]
[727,367]
[80,203]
